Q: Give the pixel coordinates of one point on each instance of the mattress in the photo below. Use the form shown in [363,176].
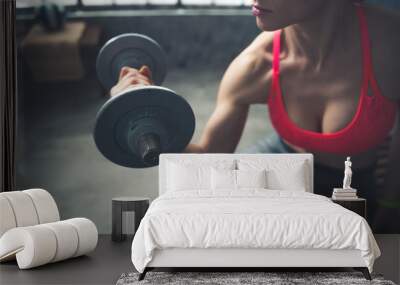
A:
[251,219]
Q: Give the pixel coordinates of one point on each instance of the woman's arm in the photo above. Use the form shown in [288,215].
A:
[238,86]
[244,83]
[224,128]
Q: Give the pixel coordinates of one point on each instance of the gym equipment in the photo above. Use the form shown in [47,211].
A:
[134,127]
[51,16]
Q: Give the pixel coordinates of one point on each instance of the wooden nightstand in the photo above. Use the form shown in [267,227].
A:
[358,205]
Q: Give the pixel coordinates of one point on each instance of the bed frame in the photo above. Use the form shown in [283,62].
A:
[250,258]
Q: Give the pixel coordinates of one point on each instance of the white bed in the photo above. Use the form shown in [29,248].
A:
[284,225]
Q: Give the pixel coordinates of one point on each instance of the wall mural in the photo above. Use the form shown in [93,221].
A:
[323,85]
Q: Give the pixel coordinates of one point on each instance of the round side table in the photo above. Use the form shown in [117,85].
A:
[138,205]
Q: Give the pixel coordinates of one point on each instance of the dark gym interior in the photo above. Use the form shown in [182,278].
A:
[57,115]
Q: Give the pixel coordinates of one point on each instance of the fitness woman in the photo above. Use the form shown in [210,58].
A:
[329,72]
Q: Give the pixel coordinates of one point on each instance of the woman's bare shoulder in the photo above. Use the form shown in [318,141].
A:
[248,74]
[256,57]
[262,43]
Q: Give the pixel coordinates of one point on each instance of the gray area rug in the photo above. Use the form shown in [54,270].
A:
[232,278]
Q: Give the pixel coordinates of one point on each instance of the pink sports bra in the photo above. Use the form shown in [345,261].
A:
[374,118]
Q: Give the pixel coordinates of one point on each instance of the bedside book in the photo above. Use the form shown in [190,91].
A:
[334,197]
[341,190]
[344,194]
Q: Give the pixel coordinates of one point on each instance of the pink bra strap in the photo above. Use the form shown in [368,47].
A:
[277,52]
[365,46]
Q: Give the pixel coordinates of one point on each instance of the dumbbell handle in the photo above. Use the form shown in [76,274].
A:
[146,138]
[132,129]
[141,70]
[132,50]
[135,60]
[149,147]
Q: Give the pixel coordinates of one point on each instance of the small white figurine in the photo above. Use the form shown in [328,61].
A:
[347,174]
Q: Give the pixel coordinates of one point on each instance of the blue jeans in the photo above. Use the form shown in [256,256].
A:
[270,144]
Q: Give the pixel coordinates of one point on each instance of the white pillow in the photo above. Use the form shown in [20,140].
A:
[251,178]
[186,175]
[281,174]
[226,179]
[223,179]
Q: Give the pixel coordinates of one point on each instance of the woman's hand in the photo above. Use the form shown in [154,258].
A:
[131,77]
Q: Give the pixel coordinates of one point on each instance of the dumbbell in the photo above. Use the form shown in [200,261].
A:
[134,127]
[51,16]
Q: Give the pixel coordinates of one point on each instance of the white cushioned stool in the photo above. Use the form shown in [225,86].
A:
[31,230]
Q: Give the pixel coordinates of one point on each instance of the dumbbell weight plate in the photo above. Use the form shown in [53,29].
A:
[121,111]
[133,50]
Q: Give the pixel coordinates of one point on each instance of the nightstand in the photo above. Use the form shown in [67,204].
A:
[358,205]
[126,205]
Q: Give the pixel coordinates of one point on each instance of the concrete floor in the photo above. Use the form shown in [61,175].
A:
[58,153]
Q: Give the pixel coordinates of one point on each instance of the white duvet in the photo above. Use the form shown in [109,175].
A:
[250,219]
